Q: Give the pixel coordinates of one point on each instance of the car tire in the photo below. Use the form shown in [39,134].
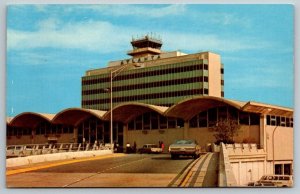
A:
[173,156]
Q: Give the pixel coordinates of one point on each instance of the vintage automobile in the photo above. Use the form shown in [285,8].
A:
[257,184]
[277,180]
[150,148]
[184,148]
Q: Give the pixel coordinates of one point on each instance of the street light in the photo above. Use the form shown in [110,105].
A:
[113,74]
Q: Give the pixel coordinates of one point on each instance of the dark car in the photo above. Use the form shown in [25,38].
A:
[184,148]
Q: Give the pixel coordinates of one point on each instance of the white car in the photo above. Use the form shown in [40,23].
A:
[184,148]
[150,148]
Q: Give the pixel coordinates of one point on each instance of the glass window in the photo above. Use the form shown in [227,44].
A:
[162,122]
[180,123]
[287,169]
[244,118]
[205,79]
[27,131]
[288,124]
[233,113]
[131,125]
[71,129]
[268,120]
[139,122]
[273,120]
[58,129]
[278,169]
[147,121]
[65,129]
[212,117]
[254,119]
[193,122]
[222,113]
[205,91]
[48,130]
[171,123]
[154,120]
[203,119]
[278,120]
[282,121]
[42,128]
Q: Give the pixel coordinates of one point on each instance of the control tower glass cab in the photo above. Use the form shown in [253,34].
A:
[145,46]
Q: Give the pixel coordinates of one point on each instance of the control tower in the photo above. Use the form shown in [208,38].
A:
[145,46]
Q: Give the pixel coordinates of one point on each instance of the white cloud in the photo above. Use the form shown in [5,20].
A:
[92,36]
[122,10]
[103,37]
[227,19]
[48,24]
[209,42]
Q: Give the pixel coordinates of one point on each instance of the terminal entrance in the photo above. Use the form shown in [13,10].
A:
[94,129]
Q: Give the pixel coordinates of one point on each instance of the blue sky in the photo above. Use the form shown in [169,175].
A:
[49,47]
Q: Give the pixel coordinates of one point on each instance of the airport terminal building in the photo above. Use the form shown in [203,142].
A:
[160,96]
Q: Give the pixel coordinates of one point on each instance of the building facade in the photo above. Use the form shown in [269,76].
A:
[154,77]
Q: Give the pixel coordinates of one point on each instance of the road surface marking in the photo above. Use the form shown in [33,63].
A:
[97,173]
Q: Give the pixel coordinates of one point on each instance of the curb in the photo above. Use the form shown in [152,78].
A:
[182,177]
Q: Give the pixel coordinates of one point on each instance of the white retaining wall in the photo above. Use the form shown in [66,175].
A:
[20,161]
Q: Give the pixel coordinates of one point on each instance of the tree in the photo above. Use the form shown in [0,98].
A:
[225,130]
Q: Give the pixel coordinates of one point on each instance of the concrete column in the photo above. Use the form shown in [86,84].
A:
[240,173]
[125,135]
[75,134]
[32,135]
[262,132]
[185,129]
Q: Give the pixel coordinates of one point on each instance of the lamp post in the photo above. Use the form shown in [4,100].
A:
[113,74]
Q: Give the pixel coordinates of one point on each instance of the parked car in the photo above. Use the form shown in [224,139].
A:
[184,148]
[150,148]
[277,180]
[258,184]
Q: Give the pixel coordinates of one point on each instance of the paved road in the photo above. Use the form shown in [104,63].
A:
[133,170]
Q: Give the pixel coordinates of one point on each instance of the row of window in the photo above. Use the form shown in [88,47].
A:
[14,131]
[153,121]
[280,121]
[147,74]
[147,96]
[149,85]
[212,116]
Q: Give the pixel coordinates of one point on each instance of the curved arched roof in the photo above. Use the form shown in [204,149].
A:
[188,108]
[30,119]
[74,116]
[127,111]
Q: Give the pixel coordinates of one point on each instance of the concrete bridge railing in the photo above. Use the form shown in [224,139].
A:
[226,176]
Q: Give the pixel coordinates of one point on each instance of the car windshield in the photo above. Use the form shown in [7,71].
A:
[184,142]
